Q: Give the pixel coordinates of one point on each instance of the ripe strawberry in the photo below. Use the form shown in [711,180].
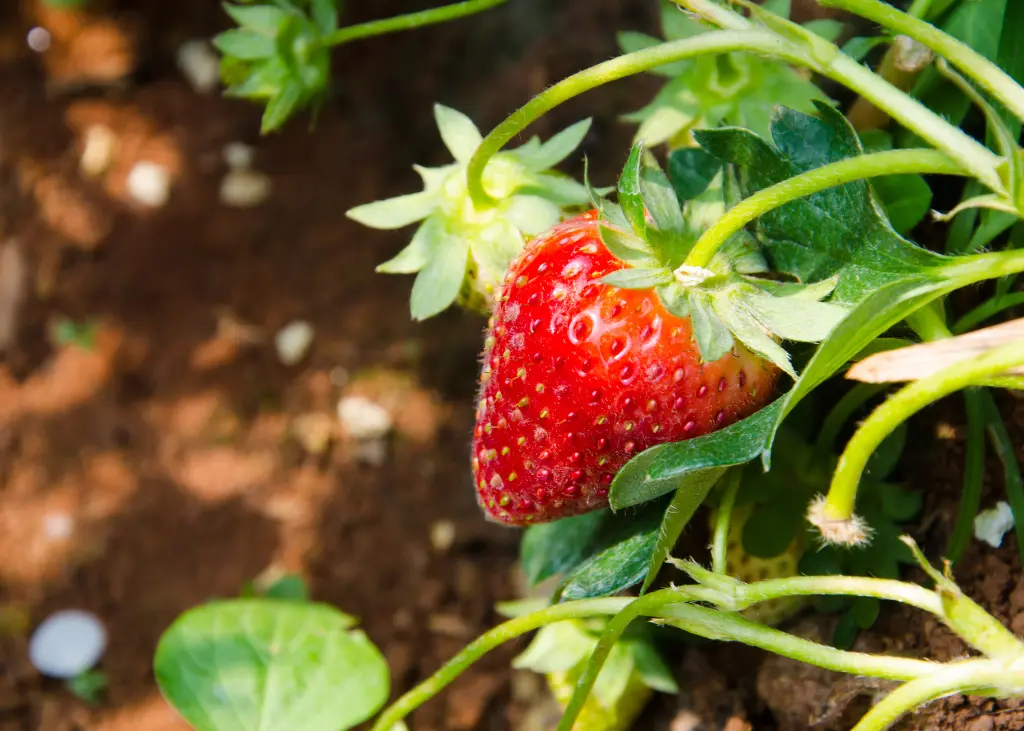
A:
[579,376]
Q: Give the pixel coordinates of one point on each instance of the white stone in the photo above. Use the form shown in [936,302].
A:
[149,184]
[99,146]
[363,419]
[38,39]
[244,188]
[200,65]
[238,155]
[991,525]
[442,536]
[67,644]
[58,526]
[293,341]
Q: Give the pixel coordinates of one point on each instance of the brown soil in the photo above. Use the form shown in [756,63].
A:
[163,463]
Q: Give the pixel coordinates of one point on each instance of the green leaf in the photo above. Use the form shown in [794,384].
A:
[660,198]
[325,15]
[712,336]
[691,171]
[838,231]
[395,213]
[794,318]
[630,199]
[621,557]
[458,132]
[272,665]
[281,106]
[438,283]
[631,278]
[291,587]
[906,199]
[827,28]
[626,247]
[244,45]
[554,548]
[745,328]
[777,7]
[265,19]
[557,148]
[770,529]
[613,680]
[558,647]
[651,667]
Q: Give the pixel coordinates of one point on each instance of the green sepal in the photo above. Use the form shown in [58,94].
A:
[711,334]
[630,196]
[631,278]
[748,330]
[245,45]
[626,247]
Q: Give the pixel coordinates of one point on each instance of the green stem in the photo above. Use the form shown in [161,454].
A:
[618,68]
[889,162]
[720,541]
[842,495]
[987,309]
[974,474]
[409,21]
[920,8]
[1005,450]
[889,589]
[971,63]
[485,643]
[718,625]
[961,677]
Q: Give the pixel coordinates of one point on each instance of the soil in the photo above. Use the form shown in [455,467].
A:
[165,456]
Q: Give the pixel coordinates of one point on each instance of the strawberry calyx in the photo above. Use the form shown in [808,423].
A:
[732,300]
[460,253]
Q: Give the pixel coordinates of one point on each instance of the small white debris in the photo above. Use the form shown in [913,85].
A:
[67,644]
[38,39]
[363,419]
[58,526]
[200,65]
[991,525]
[238,155]
[99,147]
[373,452]
[442,536]
[690,276]
[149,184]
[293,342]
[244,188]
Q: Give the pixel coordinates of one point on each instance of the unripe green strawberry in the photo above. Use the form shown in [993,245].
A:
[748,568]
[595,716]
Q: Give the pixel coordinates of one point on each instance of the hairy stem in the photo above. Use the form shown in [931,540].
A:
[971,63]
[618,68]
[961,677]
[889,162]
[485,643]
[842,495]
[410,21]
[718,625]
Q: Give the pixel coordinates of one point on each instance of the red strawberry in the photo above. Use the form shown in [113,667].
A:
[579,376]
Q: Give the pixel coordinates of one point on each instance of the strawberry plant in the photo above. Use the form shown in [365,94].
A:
[661,348]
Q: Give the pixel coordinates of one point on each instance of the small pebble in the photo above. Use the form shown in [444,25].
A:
[373,452]
[149,184]
[244,188]
[67,644]
[200,65]
[98,150]
[58,526]
[38,39]
[363,419]
[293,342]
[238,155]
[991,525]
[442,536]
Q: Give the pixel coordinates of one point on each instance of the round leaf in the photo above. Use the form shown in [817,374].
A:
[270,665]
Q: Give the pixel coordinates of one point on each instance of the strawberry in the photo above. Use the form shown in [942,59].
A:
[749,568]
[578,376]
[602,343]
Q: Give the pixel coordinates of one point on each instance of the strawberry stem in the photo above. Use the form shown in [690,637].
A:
[984,73]
[504,632]
[888,162]
[630,64]
[838,507]
[409,21]
[720,541]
